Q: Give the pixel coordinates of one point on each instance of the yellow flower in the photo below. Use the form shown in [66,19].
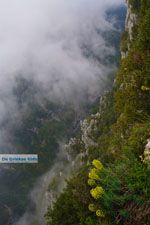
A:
[97,192]
[98,165]
[145,88]
[100,213]
[92,207]
[91,182]
[93,174]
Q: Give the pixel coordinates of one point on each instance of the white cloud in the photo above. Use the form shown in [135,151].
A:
[42,40]
[42,37]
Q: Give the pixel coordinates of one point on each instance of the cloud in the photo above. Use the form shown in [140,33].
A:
[42,39]
[49,42]
[46,41]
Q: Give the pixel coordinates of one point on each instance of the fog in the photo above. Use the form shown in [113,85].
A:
[44,40]
[47,188]
[48,42]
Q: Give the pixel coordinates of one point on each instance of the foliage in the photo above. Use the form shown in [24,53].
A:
[135,4]
[71,206]
[120,190]
[124,41]
[117,186]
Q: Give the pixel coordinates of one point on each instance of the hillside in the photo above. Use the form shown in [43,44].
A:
[111,158]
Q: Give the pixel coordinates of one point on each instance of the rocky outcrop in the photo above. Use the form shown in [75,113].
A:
[131,20]
[146,155]
[88,127]
[73,148]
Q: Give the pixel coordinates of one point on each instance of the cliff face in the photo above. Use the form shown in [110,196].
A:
[131,20]
[111,185]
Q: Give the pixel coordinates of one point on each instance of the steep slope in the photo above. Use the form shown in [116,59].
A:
[112,183]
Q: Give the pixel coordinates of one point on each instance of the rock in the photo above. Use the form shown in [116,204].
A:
[146,155]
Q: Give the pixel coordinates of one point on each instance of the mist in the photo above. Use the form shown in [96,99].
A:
[47,188]
[55,45]
[45,40]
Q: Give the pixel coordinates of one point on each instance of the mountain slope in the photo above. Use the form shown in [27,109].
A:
[112,186]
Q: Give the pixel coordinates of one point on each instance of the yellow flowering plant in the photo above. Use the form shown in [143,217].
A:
[100,213]
[97,164]
[97,192]
[145,88]
[93,174]
[92,208]
[91,182]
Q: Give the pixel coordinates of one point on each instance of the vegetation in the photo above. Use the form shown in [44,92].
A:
[124,41]
[43,126]
[38,133]
[114,188]
[135,5]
